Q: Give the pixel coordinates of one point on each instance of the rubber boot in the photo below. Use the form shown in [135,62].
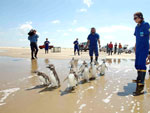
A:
[91,59]
[139,90]
[138,77]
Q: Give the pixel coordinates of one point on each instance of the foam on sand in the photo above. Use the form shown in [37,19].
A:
[6,93]
[82,106]
[107,100]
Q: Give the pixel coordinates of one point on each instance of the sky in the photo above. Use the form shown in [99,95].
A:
[62,21]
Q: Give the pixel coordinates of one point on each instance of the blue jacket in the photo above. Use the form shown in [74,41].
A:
[142,37]
[33,38]
[93,39]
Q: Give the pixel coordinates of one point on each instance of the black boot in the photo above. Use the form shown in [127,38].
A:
[138,77]
[91,59]
[139,90]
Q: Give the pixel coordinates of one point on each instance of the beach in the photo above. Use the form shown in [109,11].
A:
[21,92]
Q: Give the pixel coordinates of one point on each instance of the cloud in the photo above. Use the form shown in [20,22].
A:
[88,2]
[81,29]
[66,34]
[114,28]
[25,28]
[83,10]
[55,21]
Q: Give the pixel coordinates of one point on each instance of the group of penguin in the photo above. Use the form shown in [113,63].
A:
[85,73]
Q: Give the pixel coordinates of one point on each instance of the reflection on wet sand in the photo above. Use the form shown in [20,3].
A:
[47,61]
[34,65]
[111,93]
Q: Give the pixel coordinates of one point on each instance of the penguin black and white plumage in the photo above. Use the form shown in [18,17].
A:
[102,68]
[93,71]
[43,78]
[85,73]
[74,64]
[72,79]
[55,82]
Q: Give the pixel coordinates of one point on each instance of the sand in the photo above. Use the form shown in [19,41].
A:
[21,92]
[66,53]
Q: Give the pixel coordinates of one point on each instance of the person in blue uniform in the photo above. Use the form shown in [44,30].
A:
[76,46]
[33,37]
[141,51]
[46,43]
[93,41]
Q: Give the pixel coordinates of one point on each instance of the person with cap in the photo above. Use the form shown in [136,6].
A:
[141,51]
[93,39]
[33,37]
[76,46]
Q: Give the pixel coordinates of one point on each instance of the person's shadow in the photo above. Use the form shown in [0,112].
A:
[128,90]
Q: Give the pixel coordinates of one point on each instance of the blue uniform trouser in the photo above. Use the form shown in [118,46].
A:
[93,50]
[76,49]
[140,65]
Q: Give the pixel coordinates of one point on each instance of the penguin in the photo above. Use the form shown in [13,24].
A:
[93,71]
[102,68]
[43,78]
[85,73]
[74,64]
[55,82]
[72,79]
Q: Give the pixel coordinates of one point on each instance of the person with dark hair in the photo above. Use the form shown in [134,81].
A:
[107,48]
[46,43]
[119,48]
[33,37]
[141,51]
[76,46]
[110,48]
[93,39]
[115,48]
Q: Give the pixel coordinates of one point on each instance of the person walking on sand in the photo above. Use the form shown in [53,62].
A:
[33,37]
[110,48]
[115,48]
[119,48]
[93,39]
[141,51]
[46,43]
[76,46]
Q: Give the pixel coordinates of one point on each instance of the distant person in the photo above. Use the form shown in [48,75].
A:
[93,39]
[110,48]
[76,47]
[33,37]
[107,47]
[115,48]
[46,43]
[141,51]
[119,48]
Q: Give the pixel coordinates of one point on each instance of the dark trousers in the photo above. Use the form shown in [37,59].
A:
[110,51]
[34,49]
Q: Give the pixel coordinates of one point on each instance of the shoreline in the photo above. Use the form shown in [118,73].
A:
[66,53]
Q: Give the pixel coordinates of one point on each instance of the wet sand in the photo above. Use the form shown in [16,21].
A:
[20,90]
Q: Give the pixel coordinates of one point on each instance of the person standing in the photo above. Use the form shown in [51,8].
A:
[76,46]
[93,39]
[119,48]
[115,49]
[110,48]
[141,51]
[46,43]
[33,37]
[107,48]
